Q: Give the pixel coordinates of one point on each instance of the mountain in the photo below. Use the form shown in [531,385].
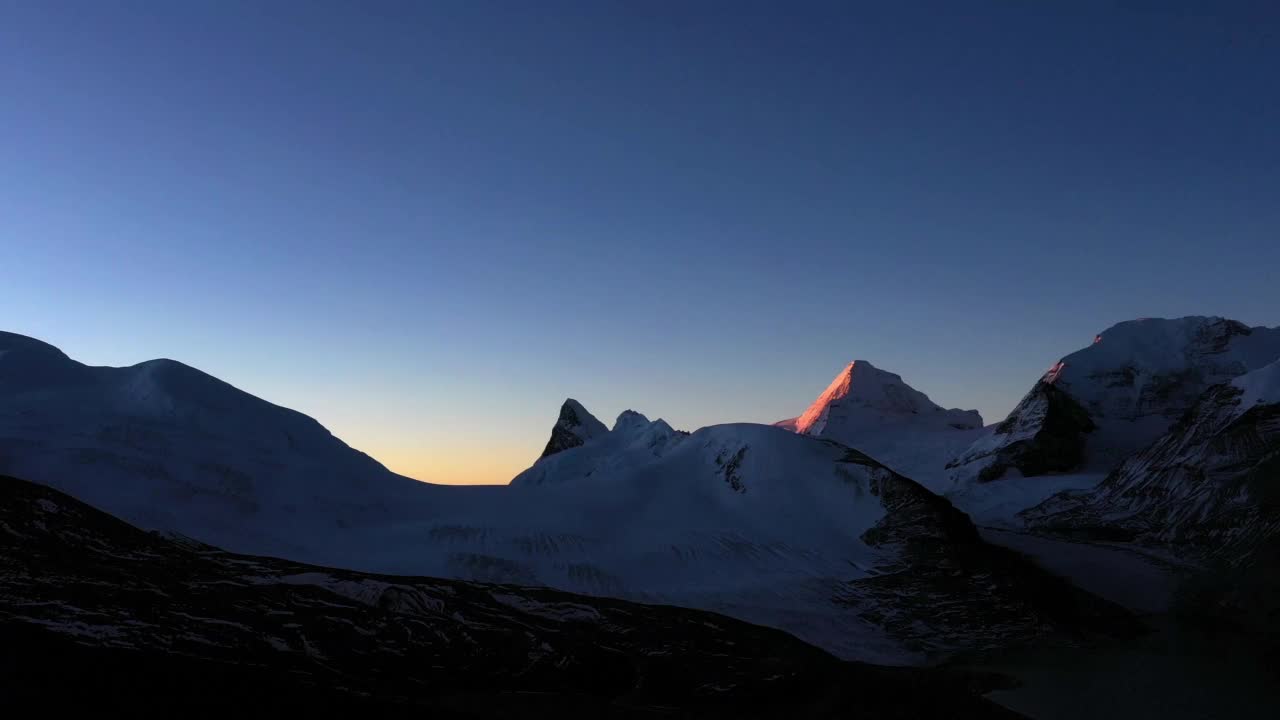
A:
[863,397]
[574,427]
[1207,488]
[878,413]
[98,615]
[166,446]
[633,439]
[1098,405]
[1206,493]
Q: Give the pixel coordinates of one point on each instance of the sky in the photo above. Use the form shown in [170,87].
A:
[427,223]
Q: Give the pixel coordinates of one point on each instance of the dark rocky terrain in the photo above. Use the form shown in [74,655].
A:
[951,589]
[99,616]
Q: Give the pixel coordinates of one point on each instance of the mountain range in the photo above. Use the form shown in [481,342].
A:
[875,524]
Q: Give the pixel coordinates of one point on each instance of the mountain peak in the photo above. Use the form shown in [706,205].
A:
[863,396]
[1118,374]
[574,427]
[629,419]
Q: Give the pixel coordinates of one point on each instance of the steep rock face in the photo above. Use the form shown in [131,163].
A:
[574,427]
[1132,384]
[1210,487]
[90,608]
[1045,433]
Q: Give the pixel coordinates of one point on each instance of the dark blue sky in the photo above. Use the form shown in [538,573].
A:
[427,223]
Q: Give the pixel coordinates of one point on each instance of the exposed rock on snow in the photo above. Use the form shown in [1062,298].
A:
[1045,433]
[574,427]
[633,439]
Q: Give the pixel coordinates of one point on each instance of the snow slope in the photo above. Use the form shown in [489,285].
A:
[1260,387]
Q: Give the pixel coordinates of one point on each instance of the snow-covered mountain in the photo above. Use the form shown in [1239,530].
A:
[1207,493]
[1100,404]
[166,446]
[878,413]
[766,525]
[863,397]
[633,440]
[1208,488]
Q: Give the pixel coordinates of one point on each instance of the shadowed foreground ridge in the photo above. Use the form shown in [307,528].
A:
[147,623]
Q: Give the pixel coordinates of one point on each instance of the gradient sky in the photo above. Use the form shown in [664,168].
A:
[427,223]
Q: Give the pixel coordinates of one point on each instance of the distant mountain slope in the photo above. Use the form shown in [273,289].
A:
[97,615]
[1096,406]
[169,447]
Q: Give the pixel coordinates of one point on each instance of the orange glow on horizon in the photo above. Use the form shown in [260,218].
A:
[472,464]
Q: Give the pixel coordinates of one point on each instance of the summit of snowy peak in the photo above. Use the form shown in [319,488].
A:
[629,420]
[574,427]
[1136,368]
[863,396]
